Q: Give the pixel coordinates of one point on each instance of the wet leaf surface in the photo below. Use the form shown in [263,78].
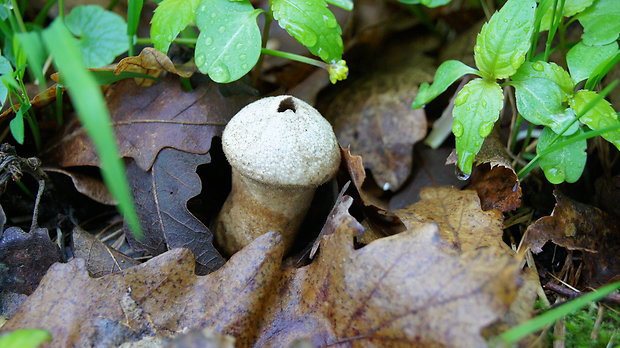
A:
[147,120]
[161,196]
[578,226]
[407,290]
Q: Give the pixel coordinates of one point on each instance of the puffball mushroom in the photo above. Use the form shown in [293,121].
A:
[280,150]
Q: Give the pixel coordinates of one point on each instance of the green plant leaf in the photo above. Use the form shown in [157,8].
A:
[583,60]
[427,3]
[448,72]
[476,108]
[602,115]
[32,45]
[312,24]
[343,4]
[503,42]
[229,42]
[102,34]
[565,164]
[5,69]
[549,71]
[25,338]
[170,18]
[17,125]
[601,22]
[571,8]
[540,102]
[93,114]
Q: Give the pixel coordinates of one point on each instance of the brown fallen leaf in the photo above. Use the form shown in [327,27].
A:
[407,290]
[24,258]
[578,226]
[161,196]
[149,119]
[461,220]
[374,117]
[495,179]
[92,187]
[151,62]
[100,258]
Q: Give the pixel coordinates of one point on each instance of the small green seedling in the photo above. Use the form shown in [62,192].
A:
[547,95]
[230,42]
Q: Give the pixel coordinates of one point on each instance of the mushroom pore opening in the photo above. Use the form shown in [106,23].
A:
[287,104]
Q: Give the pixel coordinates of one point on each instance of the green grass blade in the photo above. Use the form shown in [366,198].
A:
[134,9]
[515,334]
[92,111]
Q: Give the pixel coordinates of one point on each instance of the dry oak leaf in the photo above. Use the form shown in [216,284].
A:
[151,62]
[149,119]
[400,291]
[578,226]
[374,117]
[161,196]
[461,220]
[100,258]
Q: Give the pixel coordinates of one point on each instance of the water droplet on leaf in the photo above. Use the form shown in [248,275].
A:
[538,66]
[208,41]
[461,98]
[239,46]
[242,57]
[457,129]
[244,67]
[485,129]
[200,60]
[460,175]
[219,73]
[221,29]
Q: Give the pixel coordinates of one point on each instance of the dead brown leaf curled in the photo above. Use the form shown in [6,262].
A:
[461,220]
[150,62]
[578,226]
[161,196]
[149,119]
[407,290]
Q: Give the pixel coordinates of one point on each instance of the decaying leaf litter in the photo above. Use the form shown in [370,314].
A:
[399,263]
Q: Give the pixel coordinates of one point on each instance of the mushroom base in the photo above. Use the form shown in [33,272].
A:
[254,208]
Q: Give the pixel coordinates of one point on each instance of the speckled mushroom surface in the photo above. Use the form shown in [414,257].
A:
[282,141]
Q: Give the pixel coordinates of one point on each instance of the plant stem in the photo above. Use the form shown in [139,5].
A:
[61,8]
[275,53]
[265,37]
[295,57]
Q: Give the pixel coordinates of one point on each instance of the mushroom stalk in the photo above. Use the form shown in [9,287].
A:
[280,150]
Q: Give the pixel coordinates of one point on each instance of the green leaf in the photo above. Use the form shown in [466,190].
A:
[102,34]
[427,3]
[343,4]
[17,125]
[312,24]
[134,9]
[170,18]
[565,164]
[583,60]
[229,42]
[540,102]
[601,22]
[602,115]
[543,70]
[476,108]
[93,114]
[25,338]
[5,69]
[448,72]
[571,8]
[503,42]
[32,45]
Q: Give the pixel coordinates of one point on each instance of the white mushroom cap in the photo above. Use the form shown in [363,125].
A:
[282,141]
